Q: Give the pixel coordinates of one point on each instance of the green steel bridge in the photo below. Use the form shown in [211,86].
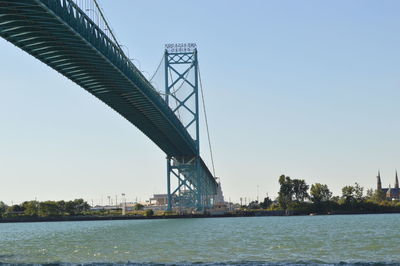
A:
[77,42]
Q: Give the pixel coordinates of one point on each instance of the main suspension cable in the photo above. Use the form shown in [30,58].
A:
[158,68]
[206,119]
[107,25]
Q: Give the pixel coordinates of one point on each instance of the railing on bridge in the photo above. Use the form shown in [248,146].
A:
[91,15]
[106,43]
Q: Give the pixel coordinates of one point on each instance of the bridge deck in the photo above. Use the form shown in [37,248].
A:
[63,37]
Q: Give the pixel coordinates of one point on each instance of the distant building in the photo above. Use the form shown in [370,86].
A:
[391,193]
[105,208]
[159,200]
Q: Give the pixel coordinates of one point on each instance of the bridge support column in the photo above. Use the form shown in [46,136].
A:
[169,196]
[199,203]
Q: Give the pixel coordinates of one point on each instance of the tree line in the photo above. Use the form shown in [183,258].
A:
[45,208]
[297,196]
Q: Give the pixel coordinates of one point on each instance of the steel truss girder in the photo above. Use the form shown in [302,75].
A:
[52,30]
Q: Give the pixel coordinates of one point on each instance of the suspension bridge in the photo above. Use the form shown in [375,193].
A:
[74,38]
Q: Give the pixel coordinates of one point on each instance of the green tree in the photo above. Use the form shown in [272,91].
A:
[266,203]
[300,189]
[3,208]
[149,212]
[379,196]
[320,193]
[81,206]
[70,208]
[48,208]
[31,207]
[61,206]
[335,199]
[352,194]
[358,192]
[348,194]
[253,205]
[15,209]
[75,207]
[369,193]
[138,207]
[285,194]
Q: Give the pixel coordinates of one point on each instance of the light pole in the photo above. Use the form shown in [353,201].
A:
[123,204]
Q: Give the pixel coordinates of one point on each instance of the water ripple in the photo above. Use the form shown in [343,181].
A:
[316,240]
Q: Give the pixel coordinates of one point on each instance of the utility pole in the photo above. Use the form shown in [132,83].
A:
[124,203]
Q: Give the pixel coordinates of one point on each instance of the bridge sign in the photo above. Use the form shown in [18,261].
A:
[180,47]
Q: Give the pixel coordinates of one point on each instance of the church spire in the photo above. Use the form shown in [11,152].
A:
[379,183]
[396,183]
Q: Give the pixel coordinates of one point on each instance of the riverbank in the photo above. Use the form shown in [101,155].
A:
[252,213]
[25,219]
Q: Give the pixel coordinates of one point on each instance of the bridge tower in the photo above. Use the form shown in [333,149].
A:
[181,70]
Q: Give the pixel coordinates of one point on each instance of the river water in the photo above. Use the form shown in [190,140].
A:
[347,239]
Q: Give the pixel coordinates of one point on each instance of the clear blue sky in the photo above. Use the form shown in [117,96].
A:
[309,89]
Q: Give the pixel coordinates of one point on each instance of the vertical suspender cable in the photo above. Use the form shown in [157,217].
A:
[205,117]
[105,22]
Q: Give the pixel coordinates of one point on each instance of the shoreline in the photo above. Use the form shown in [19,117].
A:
[187,216]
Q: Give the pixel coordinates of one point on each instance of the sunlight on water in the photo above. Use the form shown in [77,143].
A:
[353,239]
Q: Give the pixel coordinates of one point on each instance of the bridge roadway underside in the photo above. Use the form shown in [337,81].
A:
[60,35]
